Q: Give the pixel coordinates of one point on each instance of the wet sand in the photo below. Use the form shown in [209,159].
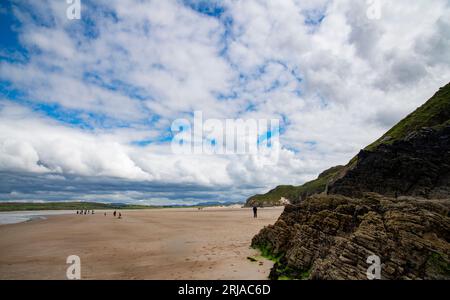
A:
[145,244]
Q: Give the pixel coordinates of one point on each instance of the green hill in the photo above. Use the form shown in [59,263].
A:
[294,193]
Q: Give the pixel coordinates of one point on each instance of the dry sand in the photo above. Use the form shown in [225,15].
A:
[144,244]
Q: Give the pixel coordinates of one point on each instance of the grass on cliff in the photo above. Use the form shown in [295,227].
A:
[437,262]
[288,273]
[266,252]
[273,196]
[283,272]
[434,113]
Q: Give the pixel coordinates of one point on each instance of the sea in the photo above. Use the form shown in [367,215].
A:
[25,216]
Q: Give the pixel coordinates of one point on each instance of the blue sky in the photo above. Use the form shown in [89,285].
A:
[89,103]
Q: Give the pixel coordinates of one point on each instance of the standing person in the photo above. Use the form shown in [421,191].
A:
[114,213]
[120,216]
[255,212]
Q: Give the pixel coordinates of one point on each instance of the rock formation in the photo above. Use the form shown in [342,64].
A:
[331,237]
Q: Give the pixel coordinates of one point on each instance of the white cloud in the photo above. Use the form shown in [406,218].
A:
[337,80]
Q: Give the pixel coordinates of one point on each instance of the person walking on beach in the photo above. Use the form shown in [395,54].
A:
[120,215]
[114,213]
[255,212]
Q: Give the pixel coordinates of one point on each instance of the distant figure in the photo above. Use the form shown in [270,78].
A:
[77,212]
[114,213]
[105,213]
[85,211]
[92,211]
[120,216]
[255,212]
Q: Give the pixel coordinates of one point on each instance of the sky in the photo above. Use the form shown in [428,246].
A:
[86,105]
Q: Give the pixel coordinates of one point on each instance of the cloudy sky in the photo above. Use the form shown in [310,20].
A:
[86,106]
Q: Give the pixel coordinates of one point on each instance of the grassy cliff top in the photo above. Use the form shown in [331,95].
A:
[434,113]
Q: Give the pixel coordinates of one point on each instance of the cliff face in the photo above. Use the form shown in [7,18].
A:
[331,237]
[392,200]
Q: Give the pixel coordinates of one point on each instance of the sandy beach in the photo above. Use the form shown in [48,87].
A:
[145,244]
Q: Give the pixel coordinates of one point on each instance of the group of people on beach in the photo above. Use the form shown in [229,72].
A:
[85,212]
